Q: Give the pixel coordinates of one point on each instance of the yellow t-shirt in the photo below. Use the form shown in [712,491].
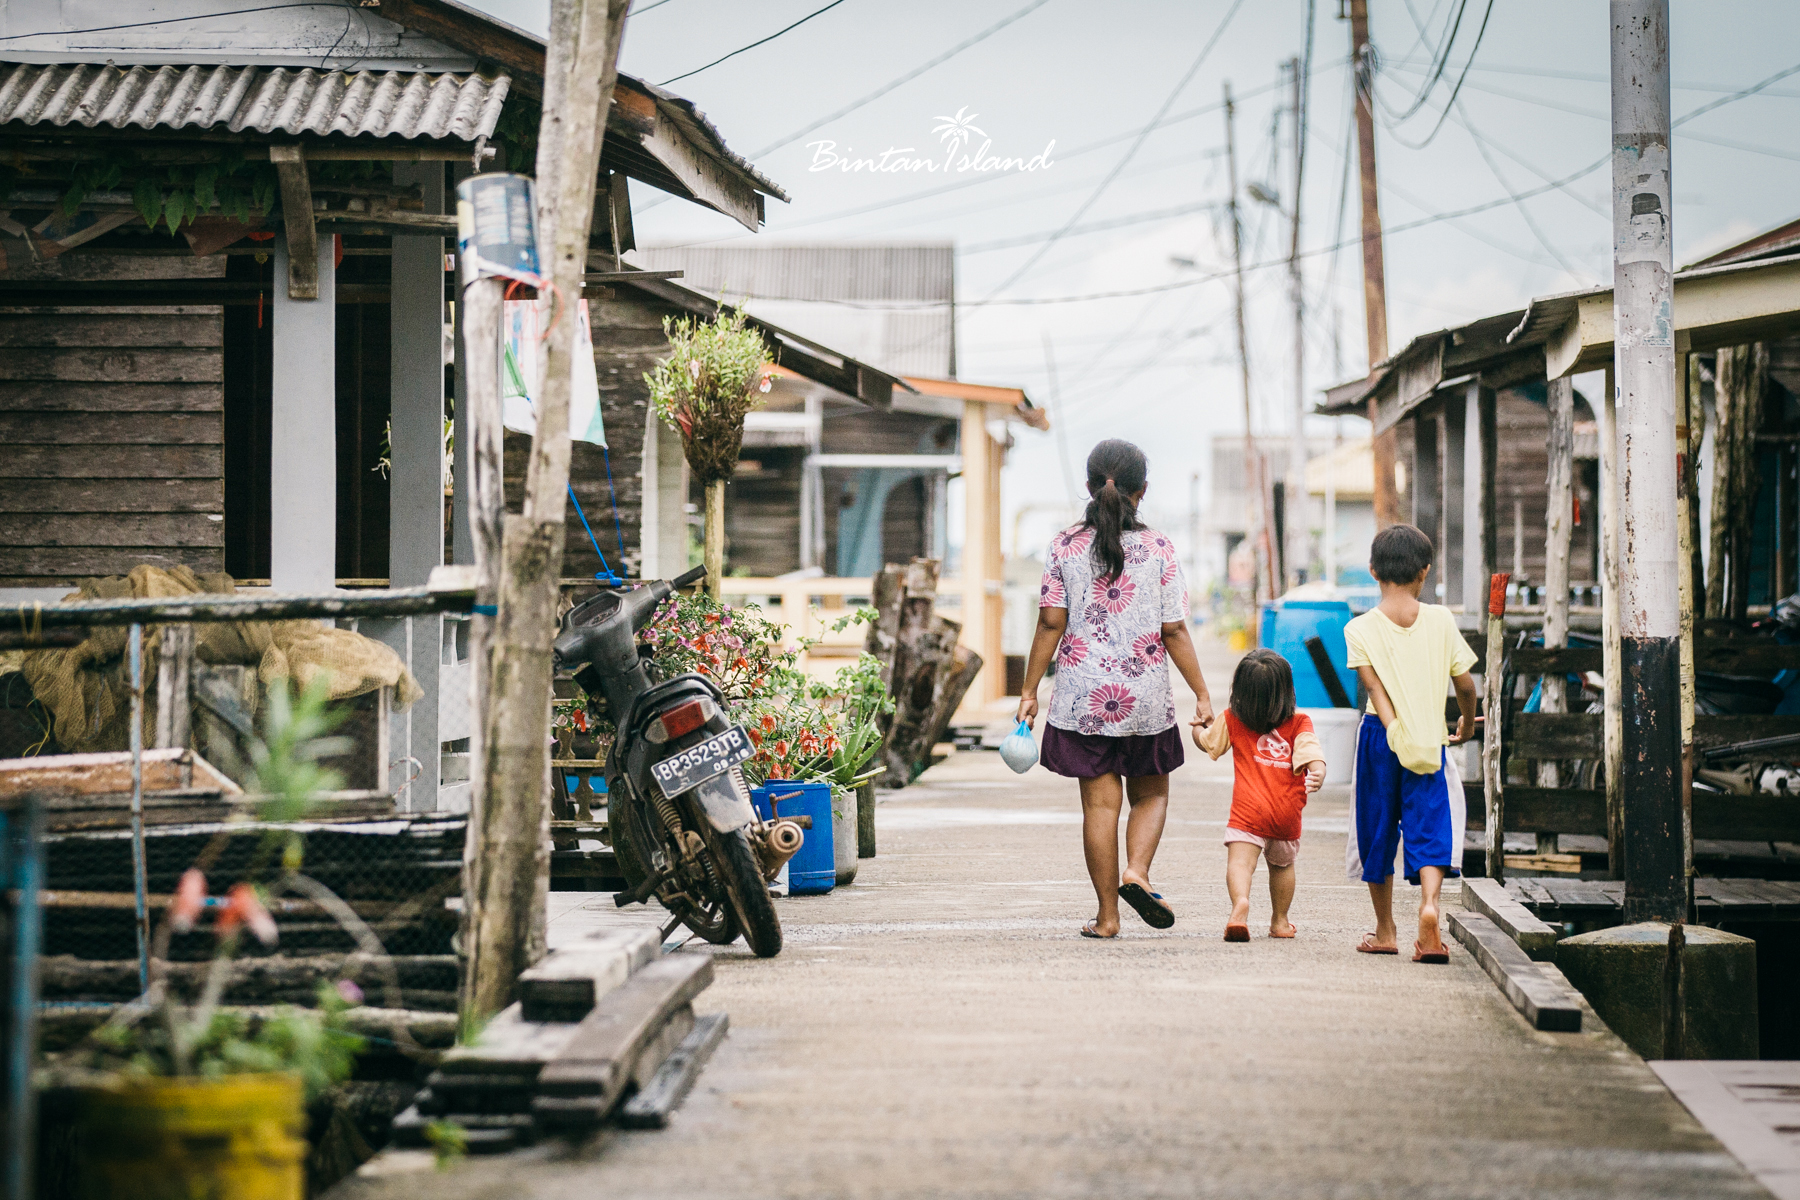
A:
[1414,664]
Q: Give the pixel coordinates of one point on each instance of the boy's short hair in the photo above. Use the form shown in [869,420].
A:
[1262,691]
[1399,553]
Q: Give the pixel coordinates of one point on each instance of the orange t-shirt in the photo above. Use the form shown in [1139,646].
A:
[1269,790]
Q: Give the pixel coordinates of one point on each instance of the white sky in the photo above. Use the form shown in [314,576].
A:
[1160,369]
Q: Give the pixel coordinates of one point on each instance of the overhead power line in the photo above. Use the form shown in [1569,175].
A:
[911,75]
[1161,112]
[753,45]
[1161,214]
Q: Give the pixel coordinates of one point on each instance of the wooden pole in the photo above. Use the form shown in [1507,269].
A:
[1493,784]
[713,538]
[1253,501]
[174,673]
[1559,503]
[1612,721]
[1685,403]
[1298,501]
[508,913]
[1387,496]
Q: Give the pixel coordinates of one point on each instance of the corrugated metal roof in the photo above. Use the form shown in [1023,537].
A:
[922,272]
[406,104]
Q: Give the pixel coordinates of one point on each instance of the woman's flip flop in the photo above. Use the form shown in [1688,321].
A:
[1148,905]
[1088,930]
[1420,954]
[1237,932]
[1369,945]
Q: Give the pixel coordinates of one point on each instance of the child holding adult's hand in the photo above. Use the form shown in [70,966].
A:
[1278,762]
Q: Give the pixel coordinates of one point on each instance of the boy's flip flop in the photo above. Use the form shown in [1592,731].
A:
[1148,905]
[1237,932]
[1421,955]
[1293,929]
[1088,930]
[1369,945]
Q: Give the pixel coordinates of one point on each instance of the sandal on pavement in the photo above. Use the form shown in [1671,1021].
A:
[1237,931]
[1148,905]
[1422,955]
[1369,945]
[1089,930]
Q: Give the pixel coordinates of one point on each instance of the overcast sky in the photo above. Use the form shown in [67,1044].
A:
[1160,368]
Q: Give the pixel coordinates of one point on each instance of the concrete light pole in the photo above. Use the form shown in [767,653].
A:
[1644,371]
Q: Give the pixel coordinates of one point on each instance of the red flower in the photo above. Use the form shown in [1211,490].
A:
[768,723]
[781,748]
[190,900]
[1111,702]
[756,737]
[243,908]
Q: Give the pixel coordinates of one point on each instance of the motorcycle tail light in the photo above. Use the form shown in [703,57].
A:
[682,719]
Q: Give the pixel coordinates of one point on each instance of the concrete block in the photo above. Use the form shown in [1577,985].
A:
[1620,971]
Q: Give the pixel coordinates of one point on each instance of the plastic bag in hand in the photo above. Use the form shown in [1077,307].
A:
[1018,750]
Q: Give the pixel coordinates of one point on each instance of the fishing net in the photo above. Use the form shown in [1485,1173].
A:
[87,688]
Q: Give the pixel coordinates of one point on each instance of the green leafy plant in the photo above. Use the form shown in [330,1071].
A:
[711,379]
[449,1143]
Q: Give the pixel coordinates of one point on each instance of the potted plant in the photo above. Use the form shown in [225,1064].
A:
[710,380]
[197,1100]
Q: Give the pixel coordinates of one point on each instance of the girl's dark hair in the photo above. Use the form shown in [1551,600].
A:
[1116,471]
[1262,691]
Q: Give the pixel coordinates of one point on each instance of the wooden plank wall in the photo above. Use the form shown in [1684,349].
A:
[111,418]
[628,341]
[762,511]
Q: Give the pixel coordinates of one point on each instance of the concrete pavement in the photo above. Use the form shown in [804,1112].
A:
[938,1029]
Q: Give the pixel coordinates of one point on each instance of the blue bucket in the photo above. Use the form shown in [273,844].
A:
[1286,624]
[812,871]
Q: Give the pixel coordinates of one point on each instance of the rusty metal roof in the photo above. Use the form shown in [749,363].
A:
[277,100]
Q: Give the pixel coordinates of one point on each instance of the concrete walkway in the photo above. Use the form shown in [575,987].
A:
[938,1029]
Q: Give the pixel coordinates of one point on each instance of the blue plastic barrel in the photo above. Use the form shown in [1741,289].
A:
[813,870]
[1286,624]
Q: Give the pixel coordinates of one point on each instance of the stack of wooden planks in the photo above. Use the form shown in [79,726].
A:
[602,1030]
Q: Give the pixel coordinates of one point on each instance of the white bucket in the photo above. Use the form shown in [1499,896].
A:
[1336,728]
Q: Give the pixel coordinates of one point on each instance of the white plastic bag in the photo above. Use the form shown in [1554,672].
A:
[1018,750]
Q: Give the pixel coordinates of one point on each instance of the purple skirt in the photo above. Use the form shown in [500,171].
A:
[1087,755]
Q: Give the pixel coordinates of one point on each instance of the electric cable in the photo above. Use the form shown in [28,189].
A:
[911,75]
[1454,92]
[646,8]
[753,45]
[236,12]
[1161,214]
[1161,112]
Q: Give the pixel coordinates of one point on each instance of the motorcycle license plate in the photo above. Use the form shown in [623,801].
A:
[694,766]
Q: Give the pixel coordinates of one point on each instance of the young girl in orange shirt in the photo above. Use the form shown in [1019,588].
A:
[1278,761]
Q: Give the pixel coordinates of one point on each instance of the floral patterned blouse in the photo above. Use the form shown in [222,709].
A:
[1112,675]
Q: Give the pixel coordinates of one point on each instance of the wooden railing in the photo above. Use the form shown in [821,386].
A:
[809,607]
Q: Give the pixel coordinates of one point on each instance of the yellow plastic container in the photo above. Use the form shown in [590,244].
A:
[236,1138]
[1238,641]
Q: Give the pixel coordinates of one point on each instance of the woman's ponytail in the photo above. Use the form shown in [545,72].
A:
[1116,471]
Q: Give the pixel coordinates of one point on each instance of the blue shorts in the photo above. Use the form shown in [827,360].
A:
[1395,805]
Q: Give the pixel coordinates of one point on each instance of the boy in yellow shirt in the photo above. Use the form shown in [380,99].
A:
[1404,652]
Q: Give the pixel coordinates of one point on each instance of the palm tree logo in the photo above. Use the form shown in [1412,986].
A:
[959,130]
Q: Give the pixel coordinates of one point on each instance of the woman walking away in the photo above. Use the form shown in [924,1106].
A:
[1271,747]
[1113,610]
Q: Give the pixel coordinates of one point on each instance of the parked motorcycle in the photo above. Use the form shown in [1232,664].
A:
[678,806]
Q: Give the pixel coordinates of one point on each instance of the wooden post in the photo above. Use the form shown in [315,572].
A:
[1493,784]
[507,913]
[1253,491]
[981,543]
[713,536]
[1453,454]
[1387,497]
[1480,522]
[1612,719]
[1559,500]
[1696,427]
[174,673]
[865,820]
[1686,401]
[1427,495]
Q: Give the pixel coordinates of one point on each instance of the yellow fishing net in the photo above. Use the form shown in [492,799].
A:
[87,688]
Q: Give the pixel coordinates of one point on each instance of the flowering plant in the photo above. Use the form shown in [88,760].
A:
[712,377]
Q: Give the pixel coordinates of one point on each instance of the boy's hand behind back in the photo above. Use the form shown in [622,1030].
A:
[1465,730]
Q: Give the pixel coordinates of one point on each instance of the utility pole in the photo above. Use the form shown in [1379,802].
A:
[1062,431]
[1387,499]
[1649,545]
[505,929]
[1253,485]
[1298,502]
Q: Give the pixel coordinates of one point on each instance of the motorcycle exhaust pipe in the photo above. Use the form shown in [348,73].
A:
[780,841]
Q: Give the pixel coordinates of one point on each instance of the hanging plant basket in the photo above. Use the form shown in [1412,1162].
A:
[713,376]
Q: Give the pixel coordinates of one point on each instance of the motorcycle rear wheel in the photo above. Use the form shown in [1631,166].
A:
[634,830]
[748,892]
